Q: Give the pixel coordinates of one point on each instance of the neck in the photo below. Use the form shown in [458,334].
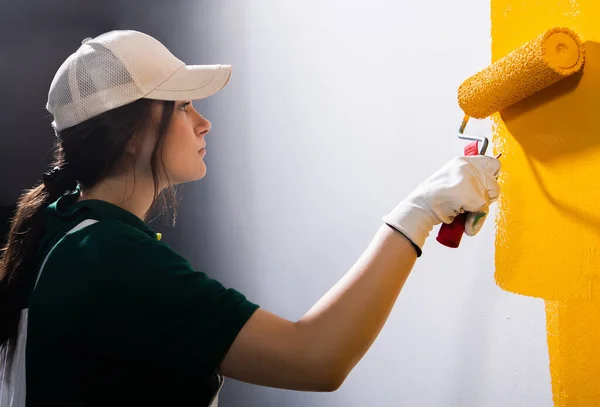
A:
[122,192]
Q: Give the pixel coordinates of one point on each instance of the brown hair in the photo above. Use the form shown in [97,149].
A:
[84,154]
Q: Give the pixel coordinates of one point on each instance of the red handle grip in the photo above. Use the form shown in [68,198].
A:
[451,234]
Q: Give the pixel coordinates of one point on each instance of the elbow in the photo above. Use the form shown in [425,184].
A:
[325,365]
[331,379]
[332,385]
[329,369]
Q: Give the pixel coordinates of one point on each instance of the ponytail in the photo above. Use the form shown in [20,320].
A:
[86,152]
[27,228]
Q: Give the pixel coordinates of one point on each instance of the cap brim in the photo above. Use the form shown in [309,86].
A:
[192,82]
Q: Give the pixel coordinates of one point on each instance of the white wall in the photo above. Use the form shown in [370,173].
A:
[335,111]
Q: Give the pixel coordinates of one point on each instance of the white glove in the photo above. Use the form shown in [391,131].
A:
[465,184]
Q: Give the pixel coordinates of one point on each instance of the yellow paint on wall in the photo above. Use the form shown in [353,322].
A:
[574,344]
[549,224]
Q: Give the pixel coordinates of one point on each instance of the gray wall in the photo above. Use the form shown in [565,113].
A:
[35,38]
[334,112]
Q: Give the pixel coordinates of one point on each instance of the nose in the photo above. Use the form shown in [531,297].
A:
[203,126]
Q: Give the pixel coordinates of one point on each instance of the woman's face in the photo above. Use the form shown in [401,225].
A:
[183,146]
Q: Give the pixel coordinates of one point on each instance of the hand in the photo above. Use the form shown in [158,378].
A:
[465,184]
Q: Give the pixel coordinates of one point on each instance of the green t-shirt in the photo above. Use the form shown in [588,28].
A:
[118,318]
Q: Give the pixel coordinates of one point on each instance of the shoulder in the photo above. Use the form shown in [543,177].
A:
[115,243]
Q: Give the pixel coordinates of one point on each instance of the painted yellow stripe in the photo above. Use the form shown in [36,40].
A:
[549,222]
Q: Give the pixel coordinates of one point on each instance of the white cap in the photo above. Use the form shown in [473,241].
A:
[120,67]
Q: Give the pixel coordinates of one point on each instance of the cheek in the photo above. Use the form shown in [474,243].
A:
[180,156]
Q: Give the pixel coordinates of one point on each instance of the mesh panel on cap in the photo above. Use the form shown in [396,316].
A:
[94,82]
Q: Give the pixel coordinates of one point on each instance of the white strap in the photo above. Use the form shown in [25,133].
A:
[80,226]
[215,400]
[12,376]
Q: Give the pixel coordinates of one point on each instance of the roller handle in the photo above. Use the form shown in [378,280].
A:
[450,234]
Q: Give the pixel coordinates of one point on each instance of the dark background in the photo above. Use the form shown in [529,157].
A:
[35,38]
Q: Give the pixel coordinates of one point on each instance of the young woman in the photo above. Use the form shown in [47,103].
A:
[95,310]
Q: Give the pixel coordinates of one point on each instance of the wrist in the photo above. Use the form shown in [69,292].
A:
[417,248]
[412,221]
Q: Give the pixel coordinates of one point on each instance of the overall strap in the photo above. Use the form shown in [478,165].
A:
[80,226]
[13,374]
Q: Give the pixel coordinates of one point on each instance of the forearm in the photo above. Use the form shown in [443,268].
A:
[318,351]
[343,324]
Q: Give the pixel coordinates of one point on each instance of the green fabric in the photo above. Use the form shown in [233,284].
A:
[118,318]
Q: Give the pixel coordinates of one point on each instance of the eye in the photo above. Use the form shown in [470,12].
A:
[184,105]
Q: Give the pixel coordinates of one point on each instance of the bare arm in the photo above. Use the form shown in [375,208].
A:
[317,352]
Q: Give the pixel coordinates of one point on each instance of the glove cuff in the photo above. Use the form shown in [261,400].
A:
[414,222]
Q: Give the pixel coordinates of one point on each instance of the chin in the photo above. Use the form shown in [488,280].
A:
[188,177]
[195,177]
[201,173]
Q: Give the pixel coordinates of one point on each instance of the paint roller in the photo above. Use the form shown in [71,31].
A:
[536,65]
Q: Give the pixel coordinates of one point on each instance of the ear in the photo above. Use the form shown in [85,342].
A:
[132,145]
[135,143]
